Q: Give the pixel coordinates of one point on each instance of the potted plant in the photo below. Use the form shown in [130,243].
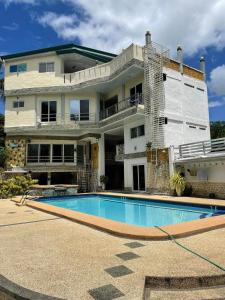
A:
[103,180]
[177,182]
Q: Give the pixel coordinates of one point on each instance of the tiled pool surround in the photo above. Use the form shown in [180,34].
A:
[131,231]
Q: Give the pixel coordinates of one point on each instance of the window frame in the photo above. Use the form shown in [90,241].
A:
[18,104]
[136,132]
[46,67]
[77,115]
[48,118]
[18,68]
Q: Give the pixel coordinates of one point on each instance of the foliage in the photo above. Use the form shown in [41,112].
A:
[217,129]
[178,183]
[3,156]
[104,179]
[15,185]
[2,135]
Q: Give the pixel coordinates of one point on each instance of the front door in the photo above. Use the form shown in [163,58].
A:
[139,178]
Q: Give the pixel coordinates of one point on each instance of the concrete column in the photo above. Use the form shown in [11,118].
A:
[62,117]
[148,38]
[98,97]
[180,58]
[171,160]
[202,65]
[101,157]
[49,179]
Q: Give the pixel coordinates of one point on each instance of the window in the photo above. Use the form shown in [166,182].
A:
[164,76]
[202,128]
[79,110]
[189,85]
[163,120]
[57,153]
[192,126]
[68,153]
[18,68]
[48,111]
[137,131]
[18,104]
[46,67]
[32,153]
[136,93]
[202,90]
[44,153]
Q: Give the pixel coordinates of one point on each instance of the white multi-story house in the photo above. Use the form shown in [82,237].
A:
[69,109]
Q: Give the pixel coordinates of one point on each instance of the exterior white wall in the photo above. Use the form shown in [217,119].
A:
[134,145]
[184,106]
[128,170]
[215,172]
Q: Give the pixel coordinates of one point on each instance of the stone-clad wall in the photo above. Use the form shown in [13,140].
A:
[158,171]
[16,147]
[203,189]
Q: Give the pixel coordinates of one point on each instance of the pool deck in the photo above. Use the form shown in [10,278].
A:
[54,256]
[125,230]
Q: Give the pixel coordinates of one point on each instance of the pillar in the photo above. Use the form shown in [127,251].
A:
[101,157]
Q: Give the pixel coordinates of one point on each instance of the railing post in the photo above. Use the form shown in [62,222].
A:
[180,151]
[203,147]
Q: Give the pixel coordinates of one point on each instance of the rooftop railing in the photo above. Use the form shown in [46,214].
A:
[203,148]
[106,69]
[121,105]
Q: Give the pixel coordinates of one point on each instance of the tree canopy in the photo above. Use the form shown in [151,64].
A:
[217,129]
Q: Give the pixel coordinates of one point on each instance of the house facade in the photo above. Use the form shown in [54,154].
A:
[74,113]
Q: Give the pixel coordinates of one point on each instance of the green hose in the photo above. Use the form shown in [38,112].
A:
[191,251]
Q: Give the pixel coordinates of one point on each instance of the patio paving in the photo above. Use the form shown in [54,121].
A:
[60,258]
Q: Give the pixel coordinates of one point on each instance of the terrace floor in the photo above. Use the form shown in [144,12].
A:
[60,258]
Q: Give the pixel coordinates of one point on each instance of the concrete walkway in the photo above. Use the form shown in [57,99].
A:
[64,259]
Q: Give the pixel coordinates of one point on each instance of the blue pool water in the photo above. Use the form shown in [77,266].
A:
[137,212]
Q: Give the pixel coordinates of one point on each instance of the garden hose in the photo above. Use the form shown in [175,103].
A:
[191,251]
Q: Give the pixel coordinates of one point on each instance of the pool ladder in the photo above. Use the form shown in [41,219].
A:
[27,195]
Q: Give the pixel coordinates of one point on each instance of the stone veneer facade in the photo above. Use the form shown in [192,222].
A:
[158,171]
[16,148]
[203,189]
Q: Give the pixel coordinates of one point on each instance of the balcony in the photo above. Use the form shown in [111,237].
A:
[132,101]
[205,149]
[67,120]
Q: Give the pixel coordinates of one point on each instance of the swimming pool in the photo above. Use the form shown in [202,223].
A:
[138,212]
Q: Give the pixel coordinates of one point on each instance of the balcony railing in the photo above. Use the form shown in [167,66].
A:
[121,105]
[65,119]
[51,160]
[204,148]
[106,69]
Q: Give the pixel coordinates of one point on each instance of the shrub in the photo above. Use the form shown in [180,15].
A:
[3,156]
[178,183]
[188,190]
[16,185]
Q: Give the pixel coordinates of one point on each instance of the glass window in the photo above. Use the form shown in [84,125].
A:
[13,69]
[79,110]
[32,153]
[133,132]
[48,111]
[44,153]
[18,104]
[42,67]
[57,153]
[68,153]
[84,110]
[80,154]
[46,67]
[50,67]
[74,110]
[141,130]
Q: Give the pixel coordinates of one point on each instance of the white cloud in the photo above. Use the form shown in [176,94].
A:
[12,27]
[217,103]
[8,2]
[217,81]
[112,25]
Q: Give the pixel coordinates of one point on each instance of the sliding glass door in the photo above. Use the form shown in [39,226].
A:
[139,178]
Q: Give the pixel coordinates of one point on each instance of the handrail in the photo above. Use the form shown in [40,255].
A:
[65,118]
[201,148]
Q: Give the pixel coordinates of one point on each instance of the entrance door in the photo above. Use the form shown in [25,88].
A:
[139,178]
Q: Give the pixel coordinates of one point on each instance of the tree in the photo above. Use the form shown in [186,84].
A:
[217,129]
[2,135]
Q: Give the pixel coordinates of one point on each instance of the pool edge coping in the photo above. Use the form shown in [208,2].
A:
[179,230]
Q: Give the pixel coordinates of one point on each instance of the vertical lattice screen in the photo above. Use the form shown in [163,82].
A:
[154,97]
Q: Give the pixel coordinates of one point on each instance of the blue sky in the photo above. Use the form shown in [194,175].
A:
[112,25]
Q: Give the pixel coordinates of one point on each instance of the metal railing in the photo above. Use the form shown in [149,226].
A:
[121,105]
[204,148]
[120,149]
[65,119]
[39,159]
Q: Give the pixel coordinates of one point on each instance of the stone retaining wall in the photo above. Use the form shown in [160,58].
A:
[203,189]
